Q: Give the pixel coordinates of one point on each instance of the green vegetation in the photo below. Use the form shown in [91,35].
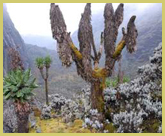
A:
[113,82]
[126,79]
[47,61]
[41,63]
[18,85]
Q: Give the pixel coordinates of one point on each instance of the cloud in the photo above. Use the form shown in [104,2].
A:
[33,18]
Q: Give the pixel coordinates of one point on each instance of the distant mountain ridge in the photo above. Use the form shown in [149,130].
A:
[41,41]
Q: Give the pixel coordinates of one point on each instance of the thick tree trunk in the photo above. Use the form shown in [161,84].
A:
[46,91]
[22,123]
[22,113]
[97,97]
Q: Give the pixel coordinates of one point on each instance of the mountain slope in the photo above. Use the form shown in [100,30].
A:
[11,39]
[62,80]
[41,41]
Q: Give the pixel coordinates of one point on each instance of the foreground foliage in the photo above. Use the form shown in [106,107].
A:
[137,106]
[18,85]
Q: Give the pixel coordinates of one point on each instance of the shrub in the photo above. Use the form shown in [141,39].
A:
[18,85]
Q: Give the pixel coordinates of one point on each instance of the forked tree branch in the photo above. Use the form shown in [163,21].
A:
[82,58]
[67,50]
[111,26]
[112,22]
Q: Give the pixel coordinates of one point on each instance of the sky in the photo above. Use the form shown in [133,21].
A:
[33,18]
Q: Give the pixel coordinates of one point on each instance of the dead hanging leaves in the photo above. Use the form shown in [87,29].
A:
[85,38]
[83,58]
[15,59]
[59,33]
[131,35]
[22,107]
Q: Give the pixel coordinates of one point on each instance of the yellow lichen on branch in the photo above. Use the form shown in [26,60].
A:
[119,49]
[101,74]
[76,51]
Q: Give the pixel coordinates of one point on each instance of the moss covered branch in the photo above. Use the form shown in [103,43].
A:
[119,49]
[75,51]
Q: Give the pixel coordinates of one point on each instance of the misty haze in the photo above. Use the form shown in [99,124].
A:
[94,68]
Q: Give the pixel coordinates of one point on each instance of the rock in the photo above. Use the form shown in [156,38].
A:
[7,129]
[36,106]
[9,117]
[32,120]
[38,130]
[12,38]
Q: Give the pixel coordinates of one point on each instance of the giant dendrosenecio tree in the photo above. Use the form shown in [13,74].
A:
[87,62]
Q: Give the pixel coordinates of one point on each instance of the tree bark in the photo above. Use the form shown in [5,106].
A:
[97,97]
[82,57]
[22,124]
[22,113]
[46,91]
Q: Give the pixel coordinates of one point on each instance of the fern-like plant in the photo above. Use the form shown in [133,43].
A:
[18,86]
